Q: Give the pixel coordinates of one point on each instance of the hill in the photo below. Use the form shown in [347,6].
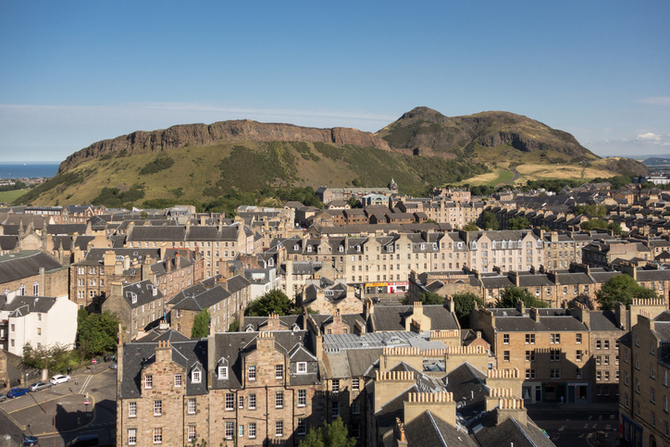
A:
[501,140]
[198,162]
[205,172]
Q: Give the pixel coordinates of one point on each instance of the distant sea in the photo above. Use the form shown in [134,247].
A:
[19,170]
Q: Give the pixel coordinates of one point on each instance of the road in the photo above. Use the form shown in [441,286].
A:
[59,414]
[571,428]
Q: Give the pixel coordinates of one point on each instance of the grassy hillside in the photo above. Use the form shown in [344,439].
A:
[207,172]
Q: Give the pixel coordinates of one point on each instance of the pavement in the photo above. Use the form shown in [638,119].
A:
[61,411]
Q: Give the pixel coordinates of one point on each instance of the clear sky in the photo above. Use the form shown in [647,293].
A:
[75,72]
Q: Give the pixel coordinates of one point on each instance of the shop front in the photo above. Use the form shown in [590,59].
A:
[631,432]
[383,288]
[578,393]
[554,392]
[532,392]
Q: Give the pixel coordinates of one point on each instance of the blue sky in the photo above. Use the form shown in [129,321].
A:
[76,72]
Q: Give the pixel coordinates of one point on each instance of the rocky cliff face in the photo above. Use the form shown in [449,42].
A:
[220,132]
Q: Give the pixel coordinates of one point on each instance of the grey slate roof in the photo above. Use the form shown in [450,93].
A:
[551,324]
[23,305]
[25,264]
[509,432]
[429,430]
[145,291]
[139,355]
[392,318]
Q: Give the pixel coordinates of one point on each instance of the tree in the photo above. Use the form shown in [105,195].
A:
[353,202]
[96,333]
[489,221]
[464,304]
[471,227]
[201,324]
[518,223]
[512,295]
[331,435]
[427,298]
[273,301]
[234,326]
[621,288]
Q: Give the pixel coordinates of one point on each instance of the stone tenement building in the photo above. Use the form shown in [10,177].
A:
[171,270]
[257,388]
[644,400]
[563,357]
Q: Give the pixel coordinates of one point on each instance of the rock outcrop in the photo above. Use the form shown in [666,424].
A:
[216,133]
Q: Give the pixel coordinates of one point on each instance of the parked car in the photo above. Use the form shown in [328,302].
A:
[16,392]
[113,365]
[3,397]
[60,378]
[29,440]
[37,386]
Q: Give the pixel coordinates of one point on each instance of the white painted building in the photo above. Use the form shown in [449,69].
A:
[40,321]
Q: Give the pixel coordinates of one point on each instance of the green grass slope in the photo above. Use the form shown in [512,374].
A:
[207,172]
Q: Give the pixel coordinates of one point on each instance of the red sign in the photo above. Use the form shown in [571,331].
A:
[86,402]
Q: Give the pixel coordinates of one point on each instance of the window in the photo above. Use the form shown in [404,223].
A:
[652,395]
[302,398]
[335,409]
[336,386]
[665,377]
[230,401]
[530,339]
[191,433]
[578,374]
[132,409]
[191,406]
[356,407]
[356,430]
[665,404]
[506,339]
[252,402]
[302,368]
[355,384]
[302,426]
[530,374]
[230,430]
[666,428]
[606,344]
[578,355]
[132,436]
[240,402]
[177,380]
[158,435]
[578,338]
[506,356]
[530,356]
[555,355]
[279,429]
[223,372]
[555,339]
[279,399]
[158,407]
[606,360]
[36,289]
[598,360]
[148,381]
[279,371]
[555,373]
[653,419]
[196,376]
[252,373]
[252,430]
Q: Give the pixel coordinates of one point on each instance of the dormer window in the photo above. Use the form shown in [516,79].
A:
[302,368]
[423,246]
[296,247]
[389,248]
[223,373]
[358,248]
[460,245]
[434,245]
[271,262]
[341,249]
[309,248]
[196,376]
[133,297]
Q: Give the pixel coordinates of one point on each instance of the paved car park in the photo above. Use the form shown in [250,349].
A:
[58,414]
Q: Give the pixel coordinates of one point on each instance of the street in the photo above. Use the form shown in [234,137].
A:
[86,404]
[570,428]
